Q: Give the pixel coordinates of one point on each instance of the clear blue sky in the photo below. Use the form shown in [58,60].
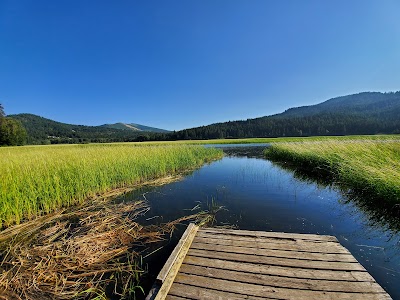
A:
[180,64]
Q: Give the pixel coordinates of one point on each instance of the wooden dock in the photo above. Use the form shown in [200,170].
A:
[210,263]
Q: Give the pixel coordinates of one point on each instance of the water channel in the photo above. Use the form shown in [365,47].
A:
[260,195]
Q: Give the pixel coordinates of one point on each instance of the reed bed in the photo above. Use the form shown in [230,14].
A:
[72,255]
[371,167]
[36,180]
[93,251]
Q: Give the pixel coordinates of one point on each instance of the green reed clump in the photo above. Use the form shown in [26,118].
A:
[39,179]
[369,166]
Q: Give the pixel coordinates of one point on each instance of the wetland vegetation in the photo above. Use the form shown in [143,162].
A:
[40,179]
[65,237]
[259,194]
[369,167]
[93,251]
[97,247]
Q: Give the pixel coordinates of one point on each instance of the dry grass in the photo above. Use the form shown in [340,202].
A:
[91,252]
[88,250]
[94,248]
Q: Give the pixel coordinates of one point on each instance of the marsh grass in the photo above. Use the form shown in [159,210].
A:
[36,180]
[369,167]
[206,213]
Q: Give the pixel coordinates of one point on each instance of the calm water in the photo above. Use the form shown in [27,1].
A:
[260,195]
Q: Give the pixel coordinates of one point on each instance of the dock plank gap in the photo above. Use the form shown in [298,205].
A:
[212,263]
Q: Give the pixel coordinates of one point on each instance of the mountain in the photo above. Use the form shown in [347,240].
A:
[363,113]
[134,127]
[371,104]
[44,131]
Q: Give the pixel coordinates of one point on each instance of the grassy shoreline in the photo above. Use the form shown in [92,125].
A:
[273,140]
[367,166]
[96,247]
[39,179]
[72,241]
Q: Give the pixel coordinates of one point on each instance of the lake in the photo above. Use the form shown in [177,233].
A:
[261,195]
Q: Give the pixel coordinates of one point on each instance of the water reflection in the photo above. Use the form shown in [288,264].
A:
[380,213]
[261,195]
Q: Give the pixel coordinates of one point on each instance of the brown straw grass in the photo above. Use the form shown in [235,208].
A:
[90,251]
[74,254]
[78,253]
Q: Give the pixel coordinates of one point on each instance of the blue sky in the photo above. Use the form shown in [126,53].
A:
[180,64]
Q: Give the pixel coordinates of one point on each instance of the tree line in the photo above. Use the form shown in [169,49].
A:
[12,133]
[45,131]
[362,113]
[316,125]
[358,114]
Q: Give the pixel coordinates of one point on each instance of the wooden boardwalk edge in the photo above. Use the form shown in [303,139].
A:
[168,273]
[210,263]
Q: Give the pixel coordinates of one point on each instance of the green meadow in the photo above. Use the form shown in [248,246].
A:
[369,166]
[39,179]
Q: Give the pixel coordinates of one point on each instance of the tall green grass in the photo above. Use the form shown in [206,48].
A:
[40,179]
[369,166]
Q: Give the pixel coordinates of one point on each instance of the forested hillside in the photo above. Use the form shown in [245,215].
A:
[363,113]
[45,131]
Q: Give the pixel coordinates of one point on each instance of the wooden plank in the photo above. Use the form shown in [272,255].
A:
[280,235]
[195,292]
[274,253]
[273,243]
[286,262]
[171,259]
[153,292]
[171,297]
[239,264]
[284,282]
[272,292]
[177,260]
[279,271]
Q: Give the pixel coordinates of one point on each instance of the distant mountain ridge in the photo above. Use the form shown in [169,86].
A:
[42,130]
[363,113]
[134,127]
[369,103]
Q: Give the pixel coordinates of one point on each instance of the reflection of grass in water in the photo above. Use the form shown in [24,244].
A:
[263,172]
[369,167]
[368,173]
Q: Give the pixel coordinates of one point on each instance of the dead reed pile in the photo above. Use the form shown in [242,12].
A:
[86,253]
